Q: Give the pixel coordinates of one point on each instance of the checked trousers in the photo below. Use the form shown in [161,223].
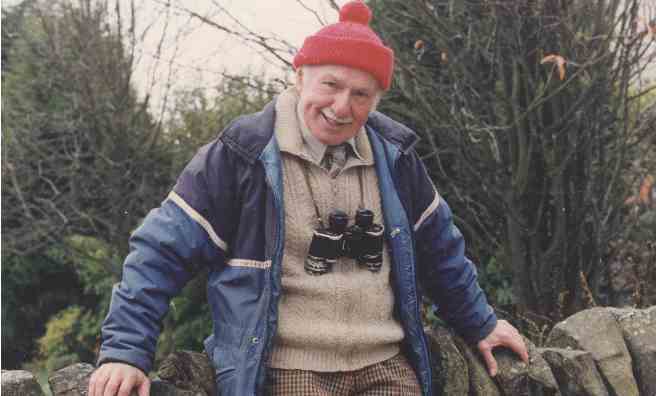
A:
[392,377]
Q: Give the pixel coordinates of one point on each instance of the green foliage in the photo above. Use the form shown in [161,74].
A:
[70,337]
[189,320]
[84,163]
[529,154]
[33,288]
[58,342]
[496,282]
[80,149]
[74,284]
[632,256]
[97,264]
[81,165]
[73,333]
[200,115]
[429,315]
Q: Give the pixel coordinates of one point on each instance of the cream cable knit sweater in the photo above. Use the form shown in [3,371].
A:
[342,320]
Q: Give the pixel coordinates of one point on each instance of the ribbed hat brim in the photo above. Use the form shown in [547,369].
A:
[376,59]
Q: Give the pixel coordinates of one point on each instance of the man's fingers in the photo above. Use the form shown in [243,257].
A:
[517,344]
[503,334]
[99,382]
[91,390]
[117,379]
[126,385]
[510,337]
[112,386]
[144,388]
[490,361]
[524,353]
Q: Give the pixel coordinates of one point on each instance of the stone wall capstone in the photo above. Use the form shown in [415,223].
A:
[596,330]
[575,371]
[20,383]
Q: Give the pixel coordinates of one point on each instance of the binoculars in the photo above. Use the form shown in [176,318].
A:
[363,241]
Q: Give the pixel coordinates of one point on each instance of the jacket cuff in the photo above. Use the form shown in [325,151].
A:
[135,359]
[474,335]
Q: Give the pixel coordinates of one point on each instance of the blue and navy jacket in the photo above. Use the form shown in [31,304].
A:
[226,213]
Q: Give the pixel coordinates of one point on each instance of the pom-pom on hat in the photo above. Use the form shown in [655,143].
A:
[349,42]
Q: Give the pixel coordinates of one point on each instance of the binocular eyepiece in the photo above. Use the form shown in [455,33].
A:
[326,244]
[363,241]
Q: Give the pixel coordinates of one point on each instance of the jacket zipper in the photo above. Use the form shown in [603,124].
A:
[274,259]
[422,336]
[421,329]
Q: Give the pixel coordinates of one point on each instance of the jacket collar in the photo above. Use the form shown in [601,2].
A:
[248,135]
[393,131]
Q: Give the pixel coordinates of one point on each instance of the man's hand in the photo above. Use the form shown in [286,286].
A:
[504,334]
[118,379]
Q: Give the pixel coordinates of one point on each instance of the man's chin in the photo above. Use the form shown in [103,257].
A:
[330,139]
[331,136]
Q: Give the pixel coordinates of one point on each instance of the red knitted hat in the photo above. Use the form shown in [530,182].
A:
[350,42]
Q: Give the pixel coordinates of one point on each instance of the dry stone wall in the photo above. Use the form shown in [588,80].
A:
[597,352]
[19,383]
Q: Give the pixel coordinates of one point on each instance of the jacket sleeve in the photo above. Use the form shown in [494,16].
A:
[171,244]
[447,276]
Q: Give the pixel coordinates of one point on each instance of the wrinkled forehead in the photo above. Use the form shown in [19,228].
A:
[348,75]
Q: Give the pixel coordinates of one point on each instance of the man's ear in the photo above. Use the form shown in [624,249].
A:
[299,78]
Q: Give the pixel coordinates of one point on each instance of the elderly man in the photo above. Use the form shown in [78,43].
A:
[321,229]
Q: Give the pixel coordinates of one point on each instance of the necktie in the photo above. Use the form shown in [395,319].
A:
[335,159]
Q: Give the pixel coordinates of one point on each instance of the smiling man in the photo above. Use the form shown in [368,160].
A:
[335,101]
[320,229]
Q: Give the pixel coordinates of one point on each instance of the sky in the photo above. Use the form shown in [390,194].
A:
[178,52]
[200,51]
[193,53]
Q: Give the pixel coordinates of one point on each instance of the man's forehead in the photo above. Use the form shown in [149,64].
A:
[353,75]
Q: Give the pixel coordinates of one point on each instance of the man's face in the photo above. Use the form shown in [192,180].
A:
[336,100]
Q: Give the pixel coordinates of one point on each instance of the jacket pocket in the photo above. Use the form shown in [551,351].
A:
[224,366]
[226,382]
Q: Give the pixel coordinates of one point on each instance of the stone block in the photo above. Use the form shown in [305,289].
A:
[639,331]
[517,378]
[20,383]
[596,330]
[450,374]
[575,371]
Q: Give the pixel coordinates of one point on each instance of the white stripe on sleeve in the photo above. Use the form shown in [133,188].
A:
[249,263]
[191,212]
[429,210]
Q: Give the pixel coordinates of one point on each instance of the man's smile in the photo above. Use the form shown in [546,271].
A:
[334,122]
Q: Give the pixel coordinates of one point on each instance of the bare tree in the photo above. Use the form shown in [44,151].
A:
[274,51]
[527,110]
[81,153]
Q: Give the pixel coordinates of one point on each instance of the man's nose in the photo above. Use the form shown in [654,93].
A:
[342,105]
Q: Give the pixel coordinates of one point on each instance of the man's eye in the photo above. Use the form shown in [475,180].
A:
[330,84]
